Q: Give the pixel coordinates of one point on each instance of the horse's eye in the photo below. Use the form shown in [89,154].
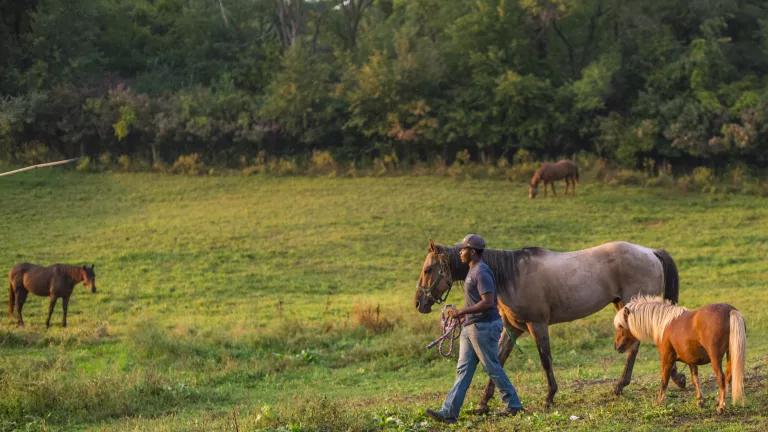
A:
[427,270]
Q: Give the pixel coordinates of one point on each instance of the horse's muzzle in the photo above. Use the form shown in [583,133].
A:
[423,306]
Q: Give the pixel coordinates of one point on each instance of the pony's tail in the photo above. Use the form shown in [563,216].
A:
[671,278]
[737,347]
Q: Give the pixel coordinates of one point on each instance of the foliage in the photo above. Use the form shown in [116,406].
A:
[423,80]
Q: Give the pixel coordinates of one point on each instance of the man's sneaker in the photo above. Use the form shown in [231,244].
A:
[439,417]
[509,412]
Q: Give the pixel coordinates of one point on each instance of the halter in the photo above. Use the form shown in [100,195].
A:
[443,270]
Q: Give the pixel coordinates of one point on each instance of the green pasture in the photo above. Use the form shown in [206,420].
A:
[250,303]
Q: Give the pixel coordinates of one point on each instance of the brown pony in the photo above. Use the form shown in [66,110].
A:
[537,288]
[694,337]
[551,172]
[55,281]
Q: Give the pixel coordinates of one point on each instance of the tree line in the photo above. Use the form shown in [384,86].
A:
[658,80]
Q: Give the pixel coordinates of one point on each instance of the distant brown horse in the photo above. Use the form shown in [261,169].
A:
[694,337]
[55,281]
[537,288]
[551,172]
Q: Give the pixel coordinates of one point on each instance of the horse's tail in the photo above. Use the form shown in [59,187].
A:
[671,279]
[737,347]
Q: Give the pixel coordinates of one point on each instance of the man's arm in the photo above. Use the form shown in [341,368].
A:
[486,302]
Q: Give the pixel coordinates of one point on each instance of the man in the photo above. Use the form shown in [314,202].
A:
[479,335]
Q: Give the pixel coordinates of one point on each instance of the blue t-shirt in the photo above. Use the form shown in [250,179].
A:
[479,281]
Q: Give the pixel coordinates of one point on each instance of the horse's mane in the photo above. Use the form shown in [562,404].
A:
[648,317]
[503,263]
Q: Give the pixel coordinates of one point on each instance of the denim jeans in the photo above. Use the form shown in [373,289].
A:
[479,343]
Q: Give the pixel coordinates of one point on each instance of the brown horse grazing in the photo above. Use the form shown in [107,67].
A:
[537,287]
[694,337]
[55,281]
[551,172]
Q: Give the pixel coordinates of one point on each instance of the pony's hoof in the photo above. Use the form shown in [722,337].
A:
[720,410]
[617,389]
[700,404]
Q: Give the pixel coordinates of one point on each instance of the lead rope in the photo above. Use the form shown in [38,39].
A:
[451,331]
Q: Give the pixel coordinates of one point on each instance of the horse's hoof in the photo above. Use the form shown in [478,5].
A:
[618,389]
[700,404]
[720,410]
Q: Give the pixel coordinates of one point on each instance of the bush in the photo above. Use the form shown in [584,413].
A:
[190,164]
[704,179]
[322,163]
[124,162]
[627,177]
[662,180]
[370,318]
[85,165]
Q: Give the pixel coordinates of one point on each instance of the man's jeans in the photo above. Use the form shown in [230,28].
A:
[479,342]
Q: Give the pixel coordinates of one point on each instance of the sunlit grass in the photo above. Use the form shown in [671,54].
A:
[231,303]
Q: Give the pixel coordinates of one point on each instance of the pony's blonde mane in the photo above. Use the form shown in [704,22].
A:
[648,317]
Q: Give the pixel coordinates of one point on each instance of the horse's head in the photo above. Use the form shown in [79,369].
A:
[624,338]
[533,190]
[435,279]
[89,277]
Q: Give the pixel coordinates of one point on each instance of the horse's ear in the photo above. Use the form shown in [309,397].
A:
[431,245]
[626,314]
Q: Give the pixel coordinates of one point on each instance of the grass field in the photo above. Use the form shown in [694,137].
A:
[248,303]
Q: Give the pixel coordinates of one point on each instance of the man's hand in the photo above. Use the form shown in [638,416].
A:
[452,313]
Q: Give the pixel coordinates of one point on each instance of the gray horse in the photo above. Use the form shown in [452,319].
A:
[537,287]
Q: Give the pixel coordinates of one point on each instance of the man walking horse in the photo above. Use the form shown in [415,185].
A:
[479,336]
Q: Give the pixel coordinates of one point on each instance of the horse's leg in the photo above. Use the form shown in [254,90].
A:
[554,193]
[720,378]
[64,304]
[21,297]
[626,376]
[695,378]
[51,306]
[540,332]
[667,361]
[506,343]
